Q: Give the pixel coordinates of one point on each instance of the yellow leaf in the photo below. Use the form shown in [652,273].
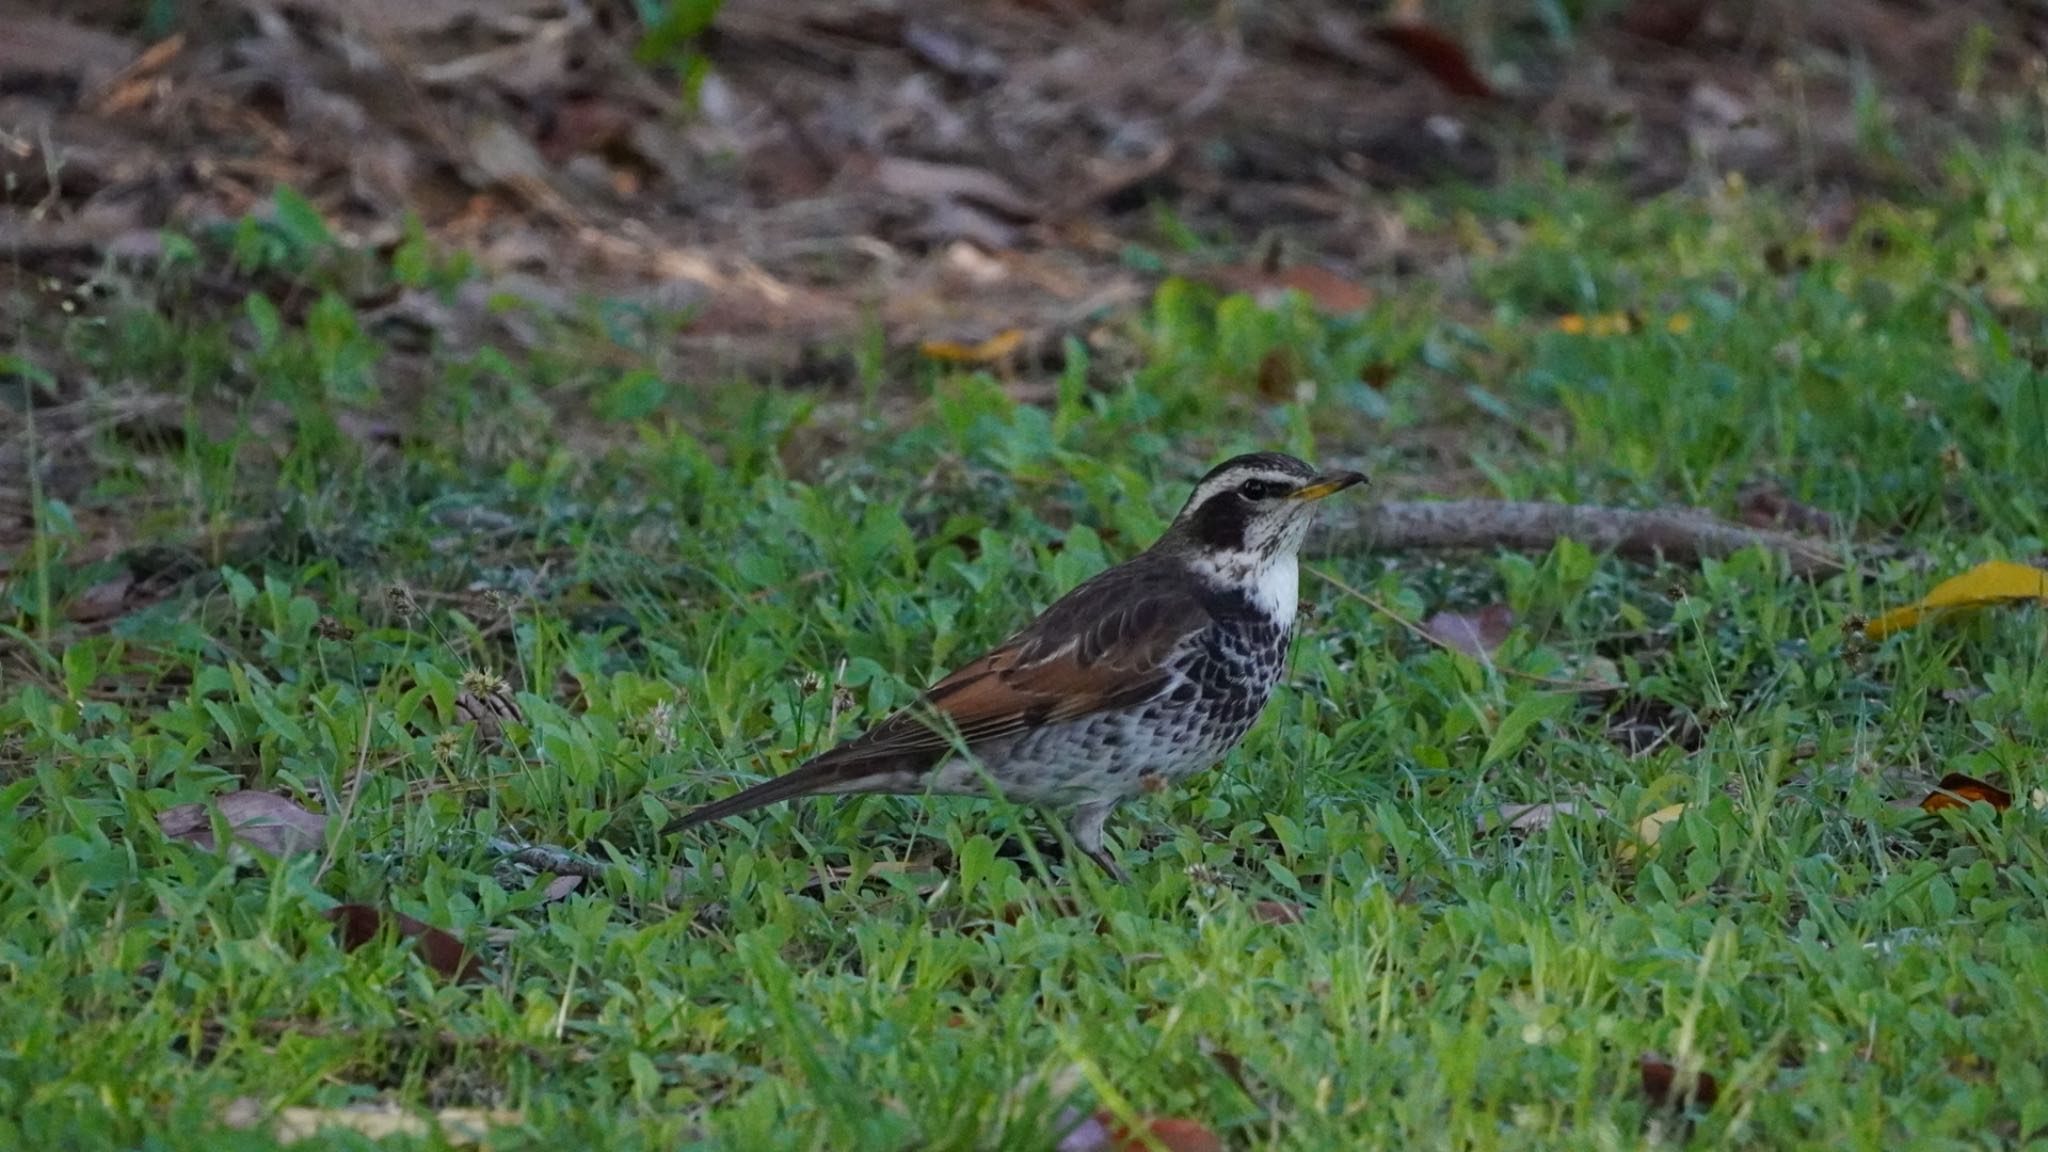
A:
[1572,324]
[1997,582]
[995,349]
[1611,324]
[1650,829]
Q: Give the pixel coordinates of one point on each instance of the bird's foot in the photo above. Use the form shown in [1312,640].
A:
[1108,864]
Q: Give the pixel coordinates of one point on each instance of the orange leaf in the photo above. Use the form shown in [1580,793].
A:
[1436,53]
[1959,791]
[1996,582]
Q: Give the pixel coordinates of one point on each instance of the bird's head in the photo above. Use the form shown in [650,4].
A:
[1251,512]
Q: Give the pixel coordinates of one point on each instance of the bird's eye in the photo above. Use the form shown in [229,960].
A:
[1258,489]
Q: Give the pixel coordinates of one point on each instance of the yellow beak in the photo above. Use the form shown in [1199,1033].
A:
[1328,484]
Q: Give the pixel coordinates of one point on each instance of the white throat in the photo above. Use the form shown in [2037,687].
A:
[1272,583]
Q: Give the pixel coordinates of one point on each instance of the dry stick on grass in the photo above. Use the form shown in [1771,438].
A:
[1681,535]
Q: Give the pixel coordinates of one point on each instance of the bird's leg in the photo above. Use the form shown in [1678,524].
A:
[1085,825]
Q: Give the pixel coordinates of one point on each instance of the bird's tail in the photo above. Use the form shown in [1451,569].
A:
[824,774]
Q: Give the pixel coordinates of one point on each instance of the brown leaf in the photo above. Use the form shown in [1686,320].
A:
[1279,373]
[1435,52]
[1959,791]
[1660,1084]
[362,923]
[1478,634]
[1277,912]
[102,601]
[261,820]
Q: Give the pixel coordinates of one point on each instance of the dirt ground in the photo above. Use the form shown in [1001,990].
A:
[944,171]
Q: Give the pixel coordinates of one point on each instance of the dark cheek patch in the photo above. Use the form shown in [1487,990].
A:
[1220,523]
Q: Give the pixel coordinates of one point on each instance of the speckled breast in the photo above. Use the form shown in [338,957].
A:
[1222,682]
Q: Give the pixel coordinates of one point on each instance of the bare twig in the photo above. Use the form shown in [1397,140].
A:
[1682,535]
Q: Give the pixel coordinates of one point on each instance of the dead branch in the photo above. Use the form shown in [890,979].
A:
[1681,535]
[548,858]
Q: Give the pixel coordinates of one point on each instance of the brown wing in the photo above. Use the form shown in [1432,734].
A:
[1104,645]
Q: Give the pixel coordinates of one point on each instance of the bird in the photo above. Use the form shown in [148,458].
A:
[1140,676]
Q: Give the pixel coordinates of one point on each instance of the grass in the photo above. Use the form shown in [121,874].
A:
[691,583]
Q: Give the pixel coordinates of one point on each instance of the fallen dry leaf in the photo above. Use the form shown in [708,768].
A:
[1524,819]
[1650,829]
[1330,293]
[264,821]
[1994,582]
[1661,1085]
[362,923]
[1959,791]
[994,350]
[1280,375]
[1435,52]
[560,887]
[1476,634]
[102,601]
[455,1126]
[1277,912]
